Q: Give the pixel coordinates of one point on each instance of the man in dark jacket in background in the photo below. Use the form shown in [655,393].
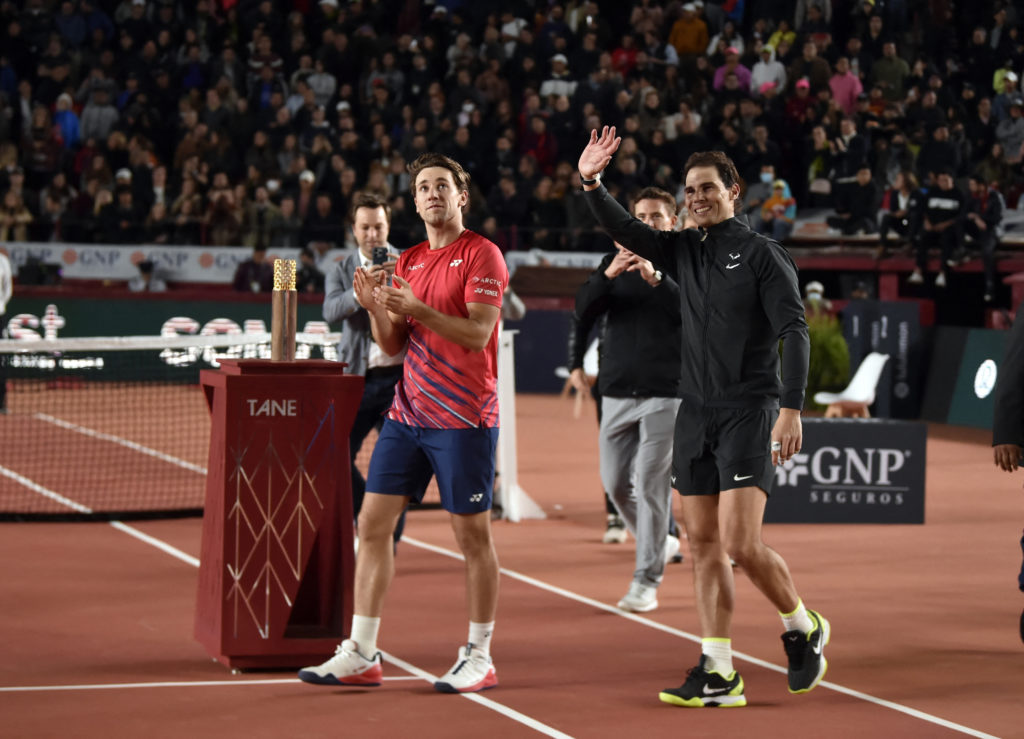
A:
[984,223]
[639,371]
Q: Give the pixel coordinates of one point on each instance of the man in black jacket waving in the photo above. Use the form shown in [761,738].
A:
[639,371]
[738,296]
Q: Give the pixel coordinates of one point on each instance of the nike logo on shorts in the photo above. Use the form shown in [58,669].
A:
[737,478]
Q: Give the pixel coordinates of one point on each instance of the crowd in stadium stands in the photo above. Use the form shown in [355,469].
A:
[245,122]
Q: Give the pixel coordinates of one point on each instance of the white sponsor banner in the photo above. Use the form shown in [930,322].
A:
[205,264]
[539,258]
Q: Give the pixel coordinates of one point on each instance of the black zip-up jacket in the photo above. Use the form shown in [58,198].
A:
[738,295]
[640,343]
[1008,413]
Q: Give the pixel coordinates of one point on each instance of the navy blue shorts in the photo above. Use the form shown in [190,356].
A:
[406,457]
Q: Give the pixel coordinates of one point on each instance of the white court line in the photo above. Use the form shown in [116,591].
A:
[195,684]
[511,713]
[86,431]
[485,702]
[694,638]
[189,559]
[45,492]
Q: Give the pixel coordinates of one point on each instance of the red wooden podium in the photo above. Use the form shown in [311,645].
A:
[275,572]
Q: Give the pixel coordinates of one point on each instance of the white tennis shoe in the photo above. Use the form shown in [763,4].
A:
[346,667]
[473,671]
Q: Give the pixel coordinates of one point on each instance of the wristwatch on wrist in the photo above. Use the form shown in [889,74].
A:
[585,181]
[658,276]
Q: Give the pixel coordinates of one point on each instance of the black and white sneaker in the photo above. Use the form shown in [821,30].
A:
[807,663]
[704,689]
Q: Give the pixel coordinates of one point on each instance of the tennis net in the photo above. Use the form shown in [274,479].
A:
[114,427]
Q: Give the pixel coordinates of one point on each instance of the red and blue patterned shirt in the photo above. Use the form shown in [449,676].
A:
[445,385]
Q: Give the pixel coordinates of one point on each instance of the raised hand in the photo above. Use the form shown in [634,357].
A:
[598,152]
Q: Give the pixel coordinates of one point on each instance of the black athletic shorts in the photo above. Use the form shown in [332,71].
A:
[718,449]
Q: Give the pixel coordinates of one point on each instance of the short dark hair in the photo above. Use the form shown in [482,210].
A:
[717,159]
[656,193]
[433,159]
[371,200]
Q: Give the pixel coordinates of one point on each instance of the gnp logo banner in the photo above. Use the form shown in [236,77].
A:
[853,471]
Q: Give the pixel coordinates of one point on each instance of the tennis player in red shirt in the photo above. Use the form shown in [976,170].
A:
[443,304]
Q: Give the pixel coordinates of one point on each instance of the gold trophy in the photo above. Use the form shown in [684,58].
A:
[284,306]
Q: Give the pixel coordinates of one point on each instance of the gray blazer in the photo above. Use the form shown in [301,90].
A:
[340,305]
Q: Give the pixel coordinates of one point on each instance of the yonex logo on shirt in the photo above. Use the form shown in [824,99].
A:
[455,263]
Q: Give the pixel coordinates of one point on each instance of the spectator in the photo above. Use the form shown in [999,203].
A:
[255,274]
[323,228]
[732,66]
[902,211]
[727,38]
[67,122]
[811,67]
[758,191]
[815,301]
[768,70]
[890,73]
[937,153]
[559,82]
[120,221]
[147,280]
[856,205]
[849,151]
[994,168]
[308,278]
[260,217]
[99,116]
[984,224]
[285,229]
[943,223]
[657,56]
[777,213]
[1010,132]
[689,34]
[158,227]
[15,218]
[846,87]
[507,204]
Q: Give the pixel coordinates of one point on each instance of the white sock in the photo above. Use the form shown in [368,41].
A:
[480,636]
[364,634]
[719,656]
[798,620]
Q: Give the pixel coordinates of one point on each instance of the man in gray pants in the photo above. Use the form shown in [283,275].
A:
[639,372]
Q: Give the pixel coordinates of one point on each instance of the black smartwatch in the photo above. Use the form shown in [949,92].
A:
[585,181]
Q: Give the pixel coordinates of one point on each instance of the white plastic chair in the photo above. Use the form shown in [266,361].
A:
[853,401]
[590,363]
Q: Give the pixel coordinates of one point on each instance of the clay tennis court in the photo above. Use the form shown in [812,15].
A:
[97,623]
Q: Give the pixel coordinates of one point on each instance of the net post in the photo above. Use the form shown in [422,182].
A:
[284,311]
